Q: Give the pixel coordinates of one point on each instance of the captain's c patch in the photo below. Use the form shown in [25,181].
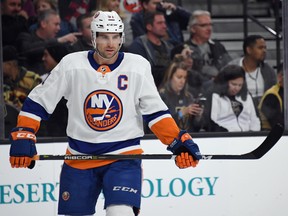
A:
[103,110]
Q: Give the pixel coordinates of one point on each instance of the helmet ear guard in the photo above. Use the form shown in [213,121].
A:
[107,22]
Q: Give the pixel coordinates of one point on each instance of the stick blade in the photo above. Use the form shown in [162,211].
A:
[274,135]
[272,138]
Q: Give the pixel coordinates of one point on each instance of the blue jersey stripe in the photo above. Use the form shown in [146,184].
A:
[112,67]
[100,148]
[31,106]
[151,117]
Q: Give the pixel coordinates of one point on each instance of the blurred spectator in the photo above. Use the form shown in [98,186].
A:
[40,5]
[110,5]
[53,54]
[209,56]
[18,81]
[184,107]
[31,45]
[57,122]
[260,76]
[176,19]
[14,21]
[194,78]
[271,105]
[84,42]
[229,105]
[151,45]
[27,5]
[69,10]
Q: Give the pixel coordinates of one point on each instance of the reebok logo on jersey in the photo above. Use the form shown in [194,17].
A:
[103,110]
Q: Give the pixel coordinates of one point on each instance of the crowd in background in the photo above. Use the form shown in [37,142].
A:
[204,88]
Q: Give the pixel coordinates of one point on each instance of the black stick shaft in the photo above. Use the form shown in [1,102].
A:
[272,138]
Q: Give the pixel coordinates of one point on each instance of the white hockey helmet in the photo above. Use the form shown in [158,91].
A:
[107,21]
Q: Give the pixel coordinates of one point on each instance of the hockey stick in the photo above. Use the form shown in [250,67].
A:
[272,138]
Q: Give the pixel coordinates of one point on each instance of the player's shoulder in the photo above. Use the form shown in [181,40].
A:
[135,58]
[76,55]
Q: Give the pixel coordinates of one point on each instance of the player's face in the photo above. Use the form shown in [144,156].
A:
[178,79]
[11,7]
[108,44]
[203,28]
[235,85]
[258,50]
[51,26]
[159,27]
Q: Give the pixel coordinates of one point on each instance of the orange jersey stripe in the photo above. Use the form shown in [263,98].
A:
[166,134]
[87,164]
[24,121]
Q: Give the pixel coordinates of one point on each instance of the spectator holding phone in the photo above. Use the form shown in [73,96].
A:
[184,107]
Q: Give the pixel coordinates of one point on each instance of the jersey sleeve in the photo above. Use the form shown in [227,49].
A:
[43,99]
[154,110]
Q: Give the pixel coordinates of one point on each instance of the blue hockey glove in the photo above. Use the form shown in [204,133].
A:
[22,147]
[188,153]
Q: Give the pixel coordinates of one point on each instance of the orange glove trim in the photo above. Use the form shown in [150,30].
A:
[17,135]
[185,137]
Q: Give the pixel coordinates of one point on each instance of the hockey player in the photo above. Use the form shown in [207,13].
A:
[108,93]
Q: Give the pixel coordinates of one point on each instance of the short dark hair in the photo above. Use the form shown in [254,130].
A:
[150,16]
[249,41]
[79,19]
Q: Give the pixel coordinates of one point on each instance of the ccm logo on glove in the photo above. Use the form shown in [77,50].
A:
[23,135]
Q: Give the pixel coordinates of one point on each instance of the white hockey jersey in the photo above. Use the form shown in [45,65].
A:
[106,103]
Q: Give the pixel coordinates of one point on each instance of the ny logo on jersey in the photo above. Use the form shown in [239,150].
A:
[103,110]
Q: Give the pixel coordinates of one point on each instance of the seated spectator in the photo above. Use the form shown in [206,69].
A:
[184,107]
[260,76]
[57,122]
[176,18]
[14,21]
[31,45]
[84,42]
[271,106]
[18,81]
[40,5]
[152,47]
[209,56]
[229,105]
